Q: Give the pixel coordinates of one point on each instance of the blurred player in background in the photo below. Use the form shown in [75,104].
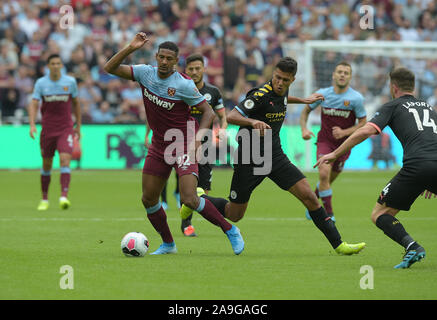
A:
[414,122]
[58,96]
[340,109]
[168,96]
[195,68]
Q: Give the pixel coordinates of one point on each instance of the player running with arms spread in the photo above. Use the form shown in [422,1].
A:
[414,123]
[168,96]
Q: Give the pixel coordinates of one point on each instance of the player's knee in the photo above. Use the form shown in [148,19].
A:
[236,216]
[190,200]
[47,164]
[377,212]
[65,162]
[324,172]
[311,205]
[310,200]
[324,177]
[375,215]
[147,201]
[64,159]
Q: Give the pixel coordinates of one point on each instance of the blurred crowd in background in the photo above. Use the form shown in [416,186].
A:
[241,41]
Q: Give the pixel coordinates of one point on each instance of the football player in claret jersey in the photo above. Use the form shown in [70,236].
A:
[260,117]
[414,122]
[195,69]
[341,108]
[57,94]
[168,96]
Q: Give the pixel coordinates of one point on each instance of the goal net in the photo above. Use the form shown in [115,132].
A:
[371,63]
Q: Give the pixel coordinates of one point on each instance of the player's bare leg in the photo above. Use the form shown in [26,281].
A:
[324,176]
[47,164]
[303,192]
[187,189]
[176,193]
[152,187]
[321,219]
[65,159]
[235,211]
[186,225]
[187,214]
[189,197]
[164,197]
[323,189]
[45,183]
[384,218]
[186,211]
[230,210]
[333,176]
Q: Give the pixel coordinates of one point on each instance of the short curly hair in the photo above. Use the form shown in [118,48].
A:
[169,46]
[287,64]
[403,78]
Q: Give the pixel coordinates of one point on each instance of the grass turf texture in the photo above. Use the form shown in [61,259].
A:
[285,257]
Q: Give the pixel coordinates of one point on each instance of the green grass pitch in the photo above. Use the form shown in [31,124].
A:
[285,257]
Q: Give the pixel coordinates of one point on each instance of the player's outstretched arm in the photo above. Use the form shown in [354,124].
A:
[339,133]
[146,138]
[357,137]
[235,117]
[208,116]
[306,134]
[311,99]
[32,111]
[77,115]
[221,114]
[114,66]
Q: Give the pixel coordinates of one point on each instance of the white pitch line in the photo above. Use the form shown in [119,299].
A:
[73,219]
[130,219]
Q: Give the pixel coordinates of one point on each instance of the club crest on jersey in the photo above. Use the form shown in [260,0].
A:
[171,92]
[65,88]
[248,104]
[346,103]
[157,101]
[207,97]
